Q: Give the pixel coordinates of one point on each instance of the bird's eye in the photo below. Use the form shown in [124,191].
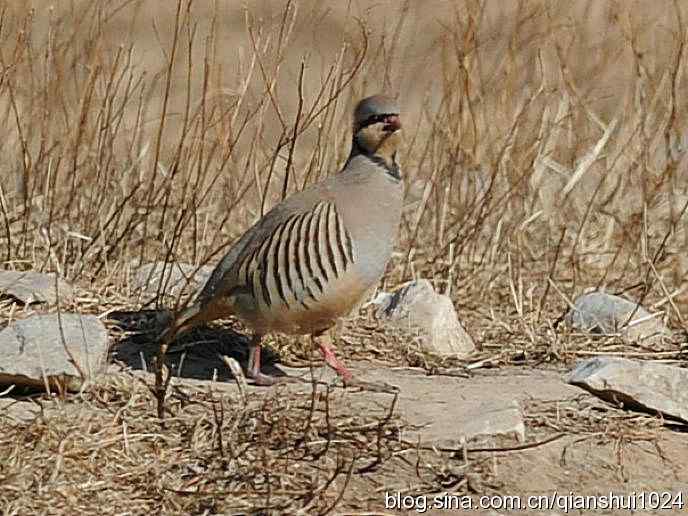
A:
[376,119]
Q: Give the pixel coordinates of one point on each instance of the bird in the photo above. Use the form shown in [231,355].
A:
[316,255]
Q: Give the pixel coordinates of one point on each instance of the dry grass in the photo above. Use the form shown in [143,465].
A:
[546,141]
[214,453]
[281,452]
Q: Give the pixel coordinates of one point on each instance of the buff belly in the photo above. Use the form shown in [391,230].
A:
[306,316]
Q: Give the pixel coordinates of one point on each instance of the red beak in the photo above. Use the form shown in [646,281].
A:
[392,123]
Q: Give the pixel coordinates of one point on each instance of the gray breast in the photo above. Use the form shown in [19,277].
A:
[370,203]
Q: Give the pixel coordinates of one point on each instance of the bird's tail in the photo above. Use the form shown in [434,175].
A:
[184,320]
[161,323]
[141,321]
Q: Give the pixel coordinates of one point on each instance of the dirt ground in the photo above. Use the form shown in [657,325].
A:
[440,439]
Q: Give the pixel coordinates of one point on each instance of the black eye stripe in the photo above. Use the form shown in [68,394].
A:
[375,119]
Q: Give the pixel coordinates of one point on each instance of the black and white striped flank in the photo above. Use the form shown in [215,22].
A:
[294,264]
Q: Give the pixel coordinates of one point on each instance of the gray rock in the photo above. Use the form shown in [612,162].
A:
[647,386]
[35,287]
[176,277]
[414,190]
[16,411]
[502,418]
[417,309]
[599,312]
[414,193]
[33,351]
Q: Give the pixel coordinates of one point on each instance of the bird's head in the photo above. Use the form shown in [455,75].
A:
[377,128]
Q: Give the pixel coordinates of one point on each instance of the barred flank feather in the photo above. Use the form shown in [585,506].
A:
[295,263]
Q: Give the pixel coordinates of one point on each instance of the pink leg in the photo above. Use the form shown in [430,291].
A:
[253,370]
[323,342]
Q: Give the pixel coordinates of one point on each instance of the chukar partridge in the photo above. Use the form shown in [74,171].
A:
[315,255]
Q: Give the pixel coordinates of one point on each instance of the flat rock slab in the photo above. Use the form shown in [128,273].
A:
[175,277]
[35,287]
[448,411]
[37,350]
[647,386]
[599,312]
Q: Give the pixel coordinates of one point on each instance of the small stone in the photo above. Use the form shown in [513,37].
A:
[648,386]
[176,277]
[414,193]
[37,350]
[35,287]
[503,419]
[599,312]
[18,411]
[417,309]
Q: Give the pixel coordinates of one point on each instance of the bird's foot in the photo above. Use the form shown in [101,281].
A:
[346,376]
[253,370]
[266,380]
[336,364]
